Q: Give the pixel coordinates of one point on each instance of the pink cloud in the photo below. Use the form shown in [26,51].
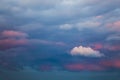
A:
[9,43]
[116,47]
[74,67]
[102,65]
[46,42]
[115,26]
[97,46]
[117,63]
[111,63]
[10,33]
[117,23]
[13,42]
[99,17]
[80,67]
[93,67]
[113,47]
[16,38]
[10,39]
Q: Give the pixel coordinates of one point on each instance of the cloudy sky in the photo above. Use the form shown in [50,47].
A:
[60,35]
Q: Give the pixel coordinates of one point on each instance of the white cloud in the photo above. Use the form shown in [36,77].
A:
[113,37]
[88,24]
[85,51]
[81,25]
[66,26]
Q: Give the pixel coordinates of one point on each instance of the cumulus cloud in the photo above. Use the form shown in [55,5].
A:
[85,51]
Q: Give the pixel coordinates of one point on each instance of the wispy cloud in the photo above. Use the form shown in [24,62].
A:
[11,33]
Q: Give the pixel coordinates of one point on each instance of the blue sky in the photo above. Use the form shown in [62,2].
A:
[60,35]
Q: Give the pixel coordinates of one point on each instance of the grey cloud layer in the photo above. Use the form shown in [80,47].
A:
[57,9]
[50,22]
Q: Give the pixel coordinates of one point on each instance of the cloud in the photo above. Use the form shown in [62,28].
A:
[107,46]
[10,43]
[113,47]
[80,67]
[114,26]
[111,63]
[40,26]
[101,66]
[66,26]
[85,51]
[11,33]
[11,38]
[97,46]
[45,42]
[57,10]
[115,37]
[88,24]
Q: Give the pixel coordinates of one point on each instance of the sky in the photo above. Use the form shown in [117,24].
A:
[71,37]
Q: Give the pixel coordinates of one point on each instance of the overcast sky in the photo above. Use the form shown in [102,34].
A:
[60,35]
